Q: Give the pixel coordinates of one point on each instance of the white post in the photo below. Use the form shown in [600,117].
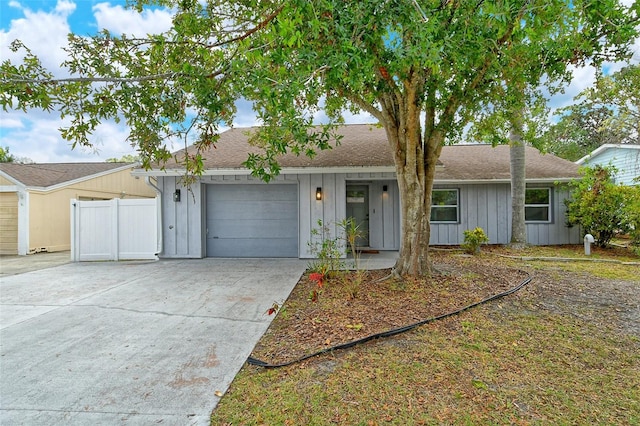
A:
[588,240]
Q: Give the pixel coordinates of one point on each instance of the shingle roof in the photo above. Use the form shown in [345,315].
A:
[365,145]
[49,174]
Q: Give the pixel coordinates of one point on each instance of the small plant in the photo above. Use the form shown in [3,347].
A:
[317,277]
[352,232]
[273,309]
[473,239]
[351,283]
[327,249]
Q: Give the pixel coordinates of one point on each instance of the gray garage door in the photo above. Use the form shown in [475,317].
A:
[252,220]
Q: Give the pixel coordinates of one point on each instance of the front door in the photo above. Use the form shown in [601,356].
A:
[358,209]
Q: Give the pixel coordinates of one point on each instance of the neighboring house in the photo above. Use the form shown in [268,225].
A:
[625,158]
[35,200]
[229,213]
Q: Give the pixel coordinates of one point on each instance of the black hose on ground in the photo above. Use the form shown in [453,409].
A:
[392,332]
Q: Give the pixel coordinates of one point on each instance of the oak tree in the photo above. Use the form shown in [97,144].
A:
[423,68]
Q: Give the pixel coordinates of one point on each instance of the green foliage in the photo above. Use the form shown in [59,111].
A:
[5,157]
[473,239]
[328,249]
[352,233]
[423,69]
[608,112]
[633,215]
[602,208]
[128,158]
[580,130]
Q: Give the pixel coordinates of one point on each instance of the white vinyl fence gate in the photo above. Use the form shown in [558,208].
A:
[114,229]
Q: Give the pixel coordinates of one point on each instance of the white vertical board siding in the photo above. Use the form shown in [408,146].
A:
[556,232]
[305,222]
[486,205]
[483,205]
[114,229]
[182,223]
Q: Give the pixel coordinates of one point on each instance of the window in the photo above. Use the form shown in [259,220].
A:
[444,205]
[537,205]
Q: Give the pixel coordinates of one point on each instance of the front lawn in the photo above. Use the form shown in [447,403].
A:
[563,350]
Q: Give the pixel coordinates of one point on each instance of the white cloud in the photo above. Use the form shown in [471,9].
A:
[119,20]
[35,135]
[46,44]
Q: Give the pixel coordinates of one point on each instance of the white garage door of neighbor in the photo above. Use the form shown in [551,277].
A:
[252,220]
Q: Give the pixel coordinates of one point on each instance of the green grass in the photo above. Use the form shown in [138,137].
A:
[513,361]
[488,366]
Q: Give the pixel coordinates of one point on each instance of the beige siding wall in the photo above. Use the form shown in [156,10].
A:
[8,222]
[5,181]
[49,212]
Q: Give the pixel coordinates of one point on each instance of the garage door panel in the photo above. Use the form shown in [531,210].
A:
[252,220]
[250,192]
[8,223]
[247,209]
[251,247]
[256,228]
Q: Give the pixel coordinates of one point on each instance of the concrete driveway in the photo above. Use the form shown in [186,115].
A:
[133,342]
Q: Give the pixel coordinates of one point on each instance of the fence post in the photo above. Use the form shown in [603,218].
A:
[75,256]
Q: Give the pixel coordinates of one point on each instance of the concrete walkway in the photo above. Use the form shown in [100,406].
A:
[132,342]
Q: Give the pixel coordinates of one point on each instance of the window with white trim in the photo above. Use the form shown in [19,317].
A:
[537,205]
[444,206]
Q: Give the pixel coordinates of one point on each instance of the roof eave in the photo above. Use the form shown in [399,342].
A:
[603,148]
[283,171]
[344,170]
[77,180]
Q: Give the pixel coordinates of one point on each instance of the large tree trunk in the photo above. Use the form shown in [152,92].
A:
[415,156]
[518,185]
[415,169]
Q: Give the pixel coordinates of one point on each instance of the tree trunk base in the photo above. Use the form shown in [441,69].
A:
[518,246]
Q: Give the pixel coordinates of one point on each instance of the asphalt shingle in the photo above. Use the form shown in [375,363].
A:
[49,174]
[366,145]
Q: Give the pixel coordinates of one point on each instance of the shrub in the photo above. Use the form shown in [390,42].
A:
[473,239]
[602,208]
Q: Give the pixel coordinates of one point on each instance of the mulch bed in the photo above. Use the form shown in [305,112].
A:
[358,304]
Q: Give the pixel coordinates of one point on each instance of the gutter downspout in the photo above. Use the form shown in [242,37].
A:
[160,243]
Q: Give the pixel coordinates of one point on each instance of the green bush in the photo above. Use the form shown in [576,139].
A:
[473,239]
[602,208]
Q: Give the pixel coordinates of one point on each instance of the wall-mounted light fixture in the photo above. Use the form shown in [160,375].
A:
[318,193]
[385,188]
[176,196]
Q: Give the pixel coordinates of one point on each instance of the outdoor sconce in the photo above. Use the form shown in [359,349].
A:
[176,196]
[384,188]
[318,193]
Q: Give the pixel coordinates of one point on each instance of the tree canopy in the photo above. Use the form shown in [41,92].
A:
[5,156]
[607,113]
[423,68]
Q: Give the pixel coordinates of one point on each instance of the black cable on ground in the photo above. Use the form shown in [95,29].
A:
[392,332]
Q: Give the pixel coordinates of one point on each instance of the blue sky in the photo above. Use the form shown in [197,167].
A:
[43,26]
[81,20]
